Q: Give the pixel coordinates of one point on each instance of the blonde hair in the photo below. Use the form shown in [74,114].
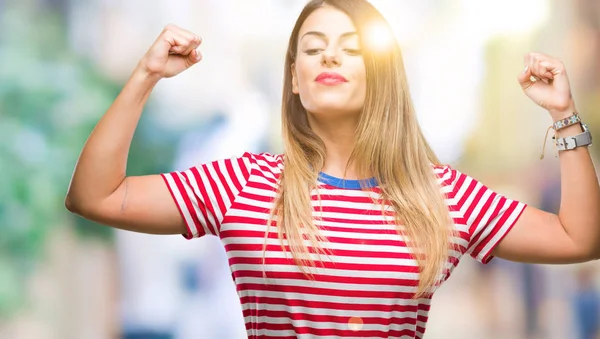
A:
[389,146]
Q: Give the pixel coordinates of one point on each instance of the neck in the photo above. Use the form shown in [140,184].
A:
[338,135]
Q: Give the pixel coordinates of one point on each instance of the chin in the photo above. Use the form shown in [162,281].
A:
[334,104]
[334,110]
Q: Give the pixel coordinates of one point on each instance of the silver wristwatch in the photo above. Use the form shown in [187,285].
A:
[569,143]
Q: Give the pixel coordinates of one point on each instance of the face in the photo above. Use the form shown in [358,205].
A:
[329,72]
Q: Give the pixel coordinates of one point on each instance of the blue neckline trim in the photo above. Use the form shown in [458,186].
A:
[341,183]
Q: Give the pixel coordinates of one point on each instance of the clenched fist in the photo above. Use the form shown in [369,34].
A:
[545,81]
[173,52]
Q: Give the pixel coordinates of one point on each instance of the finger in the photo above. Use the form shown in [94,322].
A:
[176,43]
[194,39]
[548,66]
[180,41]
[194,44]
[534,64]
[551,68]
[193,57]
[540,72]
[525,78]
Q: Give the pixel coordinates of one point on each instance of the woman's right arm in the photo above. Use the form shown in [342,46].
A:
[99,188]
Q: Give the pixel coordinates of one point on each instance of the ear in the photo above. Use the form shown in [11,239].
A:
[294,79]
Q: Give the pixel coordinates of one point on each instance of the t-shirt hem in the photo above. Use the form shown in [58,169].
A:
[487,257]
[189,235]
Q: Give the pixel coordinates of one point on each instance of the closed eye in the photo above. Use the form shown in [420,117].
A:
[313,51]
[353,51]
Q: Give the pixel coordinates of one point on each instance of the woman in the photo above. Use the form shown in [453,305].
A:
[313,254]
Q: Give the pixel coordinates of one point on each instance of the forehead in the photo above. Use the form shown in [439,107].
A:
[328,20]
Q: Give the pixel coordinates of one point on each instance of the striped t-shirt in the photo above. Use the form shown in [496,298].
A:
[363,287]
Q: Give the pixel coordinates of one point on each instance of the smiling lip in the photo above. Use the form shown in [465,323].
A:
[330,79]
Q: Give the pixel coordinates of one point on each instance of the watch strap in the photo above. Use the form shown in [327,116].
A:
[572,142]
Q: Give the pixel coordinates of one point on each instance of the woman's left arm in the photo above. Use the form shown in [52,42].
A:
[574,234]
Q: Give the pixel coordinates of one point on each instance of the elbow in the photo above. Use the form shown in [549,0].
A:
[77,205]
[595,250]
[71,204]
[595,253]
[591,253]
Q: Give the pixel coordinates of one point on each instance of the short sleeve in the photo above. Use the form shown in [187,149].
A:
[488,215]
[205,192]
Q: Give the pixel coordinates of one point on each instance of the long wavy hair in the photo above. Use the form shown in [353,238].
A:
[389,146]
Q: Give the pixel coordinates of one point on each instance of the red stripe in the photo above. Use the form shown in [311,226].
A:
[336,332]
[326,278]
[457,186]
[188,204]
[226,233]
[325,264]
[223,180]
[200,202]
[475,201]
[245,168]
[189,234]
[488,255]
[482,240]
[475,225]
[205,198]
[236,219]
[329,318]
[334,305]
[217,193]
[499,225]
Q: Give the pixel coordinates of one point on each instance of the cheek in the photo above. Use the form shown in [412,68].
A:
[304,76]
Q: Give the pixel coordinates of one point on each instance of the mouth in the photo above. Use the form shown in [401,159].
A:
[330,79]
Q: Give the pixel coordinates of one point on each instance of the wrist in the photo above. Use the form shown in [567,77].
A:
[559,114]
[142,76]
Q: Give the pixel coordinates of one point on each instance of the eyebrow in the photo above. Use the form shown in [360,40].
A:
[324,36]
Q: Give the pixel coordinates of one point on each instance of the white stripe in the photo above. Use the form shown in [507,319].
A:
[330,325]
[221,192]
[352,193]
[383,249]
[481,205]
[326,258]
[328,311]
[275,333]
[181,202]
[238,173]
[335,272]
[206,184]
[486,225]
[299,283]
[228,181]
[260,192]
[308,298]
[501,232]
[262,180]
[333,215]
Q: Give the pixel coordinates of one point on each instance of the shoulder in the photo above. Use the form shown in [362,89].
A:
[453,181]
[264,162]
[446,174]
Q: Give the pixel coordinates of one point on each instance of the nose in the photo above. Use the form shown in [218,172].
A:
[331,58]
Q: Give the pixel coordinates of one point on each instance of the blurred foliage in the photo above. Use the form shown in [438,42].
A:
[50,100]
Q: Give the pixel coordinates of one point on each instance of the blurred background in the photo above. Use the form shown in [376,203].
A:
[62,62]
